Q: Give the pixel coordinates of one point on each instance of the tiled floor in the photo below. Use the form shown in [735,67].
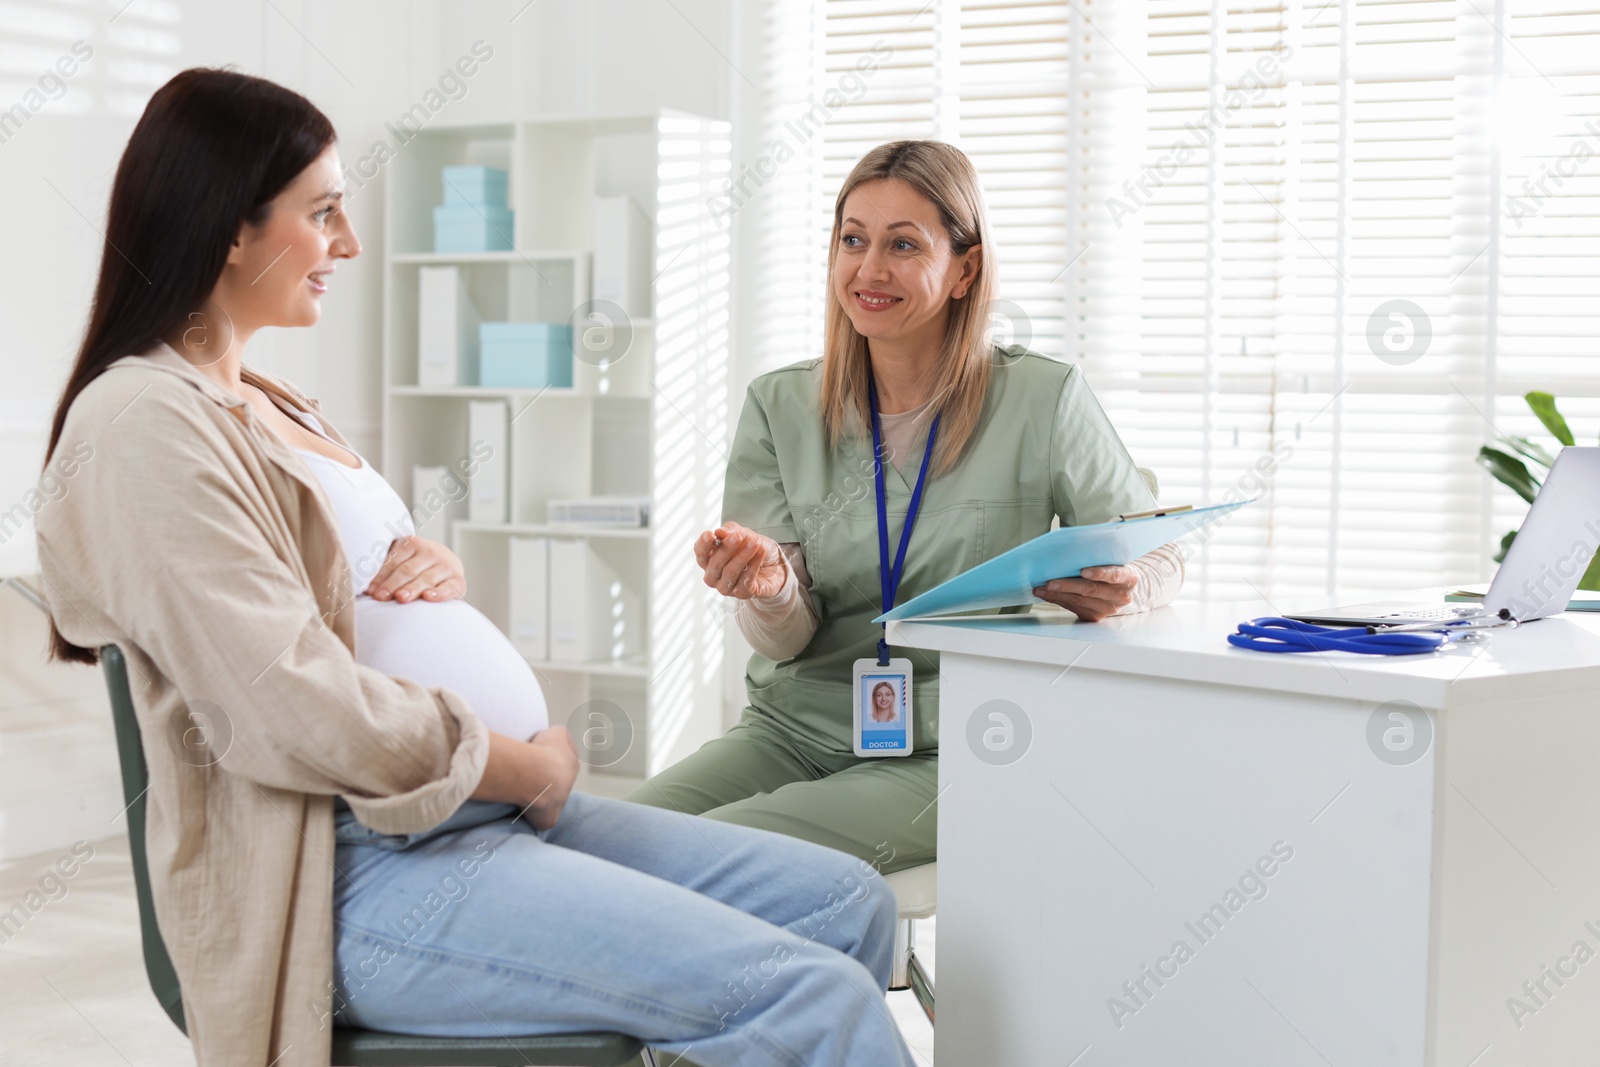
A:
[72,983]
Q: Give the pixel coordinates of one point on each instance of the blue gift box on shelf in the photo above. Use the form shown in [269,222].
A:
[483,186]
[525,355]
[472,228]
[474,216]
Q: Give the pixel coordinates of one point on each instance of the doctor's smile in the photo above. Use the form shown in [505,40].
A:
[874,301]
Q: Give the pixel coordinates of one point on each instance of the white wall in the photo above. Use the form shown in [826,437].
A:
[363,62]
[58,774]
[56,172]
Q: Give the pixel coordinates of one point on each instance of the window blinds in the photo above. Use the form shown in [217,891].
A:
[1313,252]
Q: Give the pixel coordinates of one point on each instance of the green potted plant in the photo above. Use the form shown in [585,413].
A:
[1522,464]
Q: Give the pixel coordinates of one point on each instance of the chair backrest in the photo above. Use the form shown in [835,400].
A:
[135,780]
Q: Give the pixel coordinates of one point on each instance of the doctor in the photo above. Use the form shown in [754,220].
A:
[1016,438]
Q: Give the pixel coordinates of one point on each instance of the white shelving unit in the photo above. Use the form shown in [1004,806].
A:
[647,411]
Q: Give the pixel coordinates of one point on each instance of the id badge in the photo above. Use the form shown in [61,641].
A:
[882,707]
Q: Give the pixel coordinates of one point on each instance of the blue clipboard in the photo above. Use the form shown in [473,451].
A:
[1009,579]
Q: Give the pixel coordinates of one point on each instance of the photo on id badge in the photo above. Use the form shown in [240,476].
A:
[883,708]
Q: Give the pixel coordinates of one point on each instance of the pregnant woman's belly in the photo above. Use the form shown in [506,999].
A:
[452,645]
[446,644]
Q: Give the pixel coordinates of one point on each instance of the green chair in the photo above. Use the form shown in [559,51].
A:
[351,1048]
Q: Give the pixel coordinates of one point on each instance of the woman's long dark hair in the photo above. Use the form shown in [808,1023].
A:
[210,153]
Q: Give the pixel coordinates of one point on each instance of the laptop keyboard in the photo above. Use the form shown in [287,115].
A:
[1430,614]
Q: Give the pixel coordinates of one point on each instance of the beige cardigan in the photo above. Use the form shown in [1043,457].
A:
[203,546]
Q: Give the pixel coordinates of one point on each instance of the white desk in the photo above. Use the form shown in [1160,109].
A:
[1423,890]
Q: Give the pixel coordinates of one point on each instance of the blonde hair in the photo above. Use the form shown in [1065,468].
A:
[894,712]
[945,176]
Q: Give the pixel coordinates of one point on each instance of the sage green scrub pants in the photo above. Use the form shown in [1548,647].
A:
[757,774]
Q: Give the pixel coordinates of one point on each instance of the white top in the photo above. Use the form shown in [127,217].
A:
[448,644]
[1188,643]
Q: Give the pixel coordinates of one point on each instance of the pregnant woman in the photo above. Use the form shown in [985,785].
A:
[378,828]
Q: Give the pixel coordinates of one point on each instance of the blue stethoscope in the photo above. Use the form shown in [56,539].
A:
[1273,634]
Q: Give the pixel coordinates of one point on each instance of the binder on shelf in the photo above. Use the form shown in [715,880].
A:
[489,441]
[593,615]
[530,596]
[447,328]
[1010,578]
[438,499]
[622,254]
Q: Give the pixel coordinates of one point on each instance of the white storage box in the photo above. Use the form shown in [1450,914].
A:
[447,328]
[438,499]
[488,435]
[530,596]
[622,254]
[601,511]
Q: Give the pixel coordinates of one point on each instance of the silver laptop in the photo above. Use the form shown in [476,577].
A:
[1541,569]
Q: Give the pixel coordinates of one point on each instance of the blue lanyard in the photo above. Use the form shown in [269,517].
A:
[887,578]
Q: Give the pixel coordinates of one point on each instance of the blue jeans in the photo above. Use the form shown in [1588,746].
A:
[716,942]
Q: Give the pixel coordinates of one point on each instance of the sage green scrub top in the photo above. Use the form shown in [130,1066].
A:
[1042,448]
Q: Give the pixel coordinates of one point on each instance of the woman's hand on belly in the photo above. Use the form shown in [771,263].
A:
[1097,592]
[417,567]
[739,562]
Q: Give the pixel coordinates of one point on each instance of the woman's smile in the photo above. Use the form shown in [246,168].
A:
[870,300]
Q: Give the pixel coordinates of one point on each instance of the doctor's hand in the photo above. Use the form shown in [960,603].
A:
[417,567]
[740,562]
[1098,592]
